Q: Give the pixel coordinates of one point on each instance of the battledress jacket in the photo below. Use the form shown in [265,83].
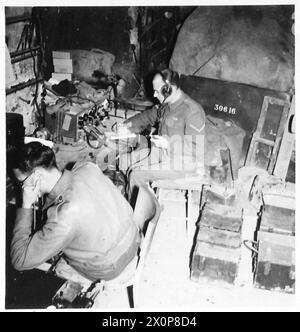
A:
[87,219]
[181,121]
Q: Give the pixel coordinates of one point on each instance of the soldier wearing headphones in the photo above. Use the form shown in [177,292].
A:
[178,145]
[173,101]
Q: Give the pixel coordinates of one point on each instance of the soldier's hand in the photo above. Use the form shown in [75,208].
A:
[31,193]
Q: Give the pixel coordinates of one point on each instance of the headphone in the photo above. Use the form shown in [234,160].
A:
[166,89]
[170,77]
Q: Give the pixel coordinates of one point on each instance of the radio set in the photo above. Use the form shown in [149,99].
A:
[66,121]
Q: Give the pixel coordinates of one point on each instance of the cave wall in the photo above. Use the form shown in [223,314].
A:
[21,101]
[106,28]
[126,32]
[244,44]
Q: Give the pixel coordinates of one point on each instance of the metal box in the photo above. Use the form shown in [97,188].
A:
[62,122]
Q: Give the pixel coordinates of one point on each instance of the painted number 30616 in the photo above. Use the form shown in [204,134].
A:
[225,109]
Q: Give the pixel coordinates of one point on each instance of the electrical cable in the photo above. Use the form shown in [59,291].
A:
[36,85]
[112,127]
[83,98]
[159,117]
[90,145]
[88,134]
[254,250]
[131,168]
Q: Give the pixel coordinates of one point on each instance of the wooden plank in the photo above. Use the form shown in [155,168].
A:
[264,130]
[264,141]
[286,147]
[280,131]
[263,115]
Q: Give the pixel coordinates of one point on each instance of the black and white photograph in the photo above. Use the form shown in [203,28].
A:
[150,159]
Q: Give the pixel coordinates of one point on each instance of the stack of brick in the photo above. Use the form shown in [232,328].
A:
[217,251]
[63,65]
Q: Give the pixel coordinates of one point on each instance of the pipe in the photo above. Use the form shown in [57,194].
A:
[21,58]
[16,19]
[22,85]
[27,50]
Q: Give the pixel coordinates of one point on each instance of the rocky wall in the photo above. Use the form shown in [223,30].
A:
[21,101]
[250,44]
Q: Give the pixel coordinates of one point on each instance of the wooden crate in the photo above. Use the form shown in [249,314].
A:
[218,245]
[217,263]
[275,262]
[222,217]
[278,219]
